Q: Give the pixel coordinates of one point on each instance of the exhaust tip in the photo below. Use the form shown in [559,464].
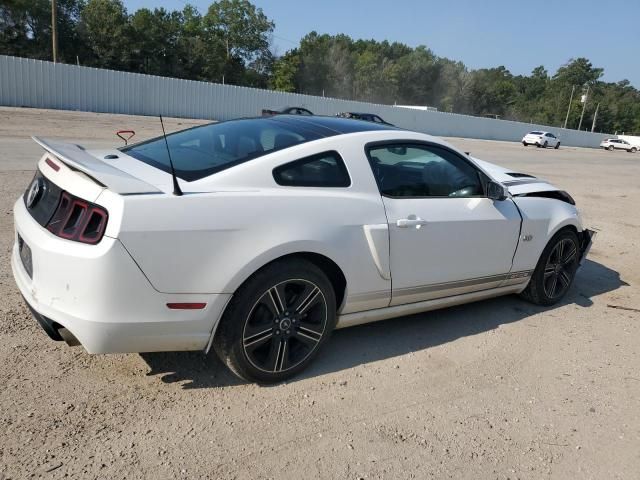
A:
[68,337]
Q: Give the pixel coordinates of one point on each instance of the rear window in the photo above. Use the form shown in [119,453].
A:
[535,133]
[202,151]
[322,170]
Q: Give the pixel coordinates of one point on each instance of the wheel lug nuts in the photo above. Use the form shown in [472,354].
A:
[277,332]
[288,332]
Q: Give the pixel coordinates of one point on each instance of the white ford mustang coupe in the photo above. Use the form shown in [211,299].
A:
[260,236]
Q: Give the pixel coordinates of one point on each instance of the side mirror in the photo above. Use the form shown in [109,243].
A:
[497,191]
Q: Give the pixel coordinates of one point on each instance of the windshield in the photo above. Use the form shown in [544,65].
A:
[202,151]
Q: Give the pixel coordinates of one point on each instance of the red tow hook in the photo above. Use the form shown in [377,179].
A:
[126,139]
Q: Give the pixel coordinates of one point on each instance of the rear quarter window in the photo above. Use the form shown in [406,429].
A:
[322,170]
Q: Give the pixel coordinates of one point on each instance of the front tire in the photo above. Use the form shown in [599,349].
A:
[277,322]
[555,270]
[557,146]
[546,144]
[633,150]
[524,144]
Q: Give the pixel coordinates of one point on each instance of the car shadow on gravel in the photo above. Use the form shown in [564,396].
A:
[390,338]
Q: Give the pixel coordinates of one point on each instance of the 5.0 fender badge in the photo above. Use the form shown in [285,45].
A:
[527,237]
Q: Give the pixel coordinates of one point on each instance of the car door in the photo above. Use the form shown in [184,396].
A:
[446,237]
[549,139]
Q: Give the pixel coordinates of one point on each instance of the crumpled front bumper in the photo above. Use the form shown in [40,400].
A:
[586,238]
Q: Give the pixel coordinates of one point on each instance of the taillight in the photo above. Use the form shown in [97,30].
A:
[78,220]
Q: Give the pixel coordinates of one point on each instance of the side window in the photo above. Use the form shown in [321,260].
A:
[322,170]
[423,171]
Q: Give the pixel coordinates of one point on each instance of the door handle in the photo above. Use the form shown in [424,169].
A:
[410,222]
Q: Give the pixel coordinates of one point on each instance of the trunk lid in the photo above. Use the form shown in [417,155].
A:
[115,174]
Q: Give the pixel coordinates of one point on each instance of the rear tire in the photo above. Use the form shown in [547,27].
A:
[610,148]
[555,271]
[538,145]
[524,144]
[546,144]
[277,321]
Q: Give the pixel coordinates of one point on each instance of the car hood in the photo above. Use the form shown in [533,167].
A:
[518,183]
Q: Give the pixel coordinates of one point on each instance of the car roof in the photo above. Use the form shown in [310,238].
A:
[329,126]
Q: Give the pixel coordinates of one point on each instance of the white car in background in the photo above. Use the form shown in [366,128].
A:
[260,236]
[612,144]
[541,139]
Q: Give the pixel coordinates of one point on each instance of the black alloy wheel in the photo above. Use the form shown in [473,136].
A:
[560,268]
[555,271]
[277,321]
[285,325]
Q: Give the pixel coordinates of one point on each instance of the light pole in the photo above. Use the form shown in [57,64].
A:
[566,119]
[584,106]
[54,30]
[595,115]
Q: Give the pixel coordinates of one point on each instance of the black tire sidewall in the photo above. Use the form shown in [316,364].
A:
[228,340]
[536,286]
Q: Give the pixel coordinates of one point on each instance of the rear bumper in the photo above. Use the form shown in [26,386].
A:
[98,293]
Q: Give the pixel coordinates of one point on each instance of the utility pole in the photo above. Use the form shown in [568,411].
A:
[566,119]
[584,106]
[54,30]
[595,116]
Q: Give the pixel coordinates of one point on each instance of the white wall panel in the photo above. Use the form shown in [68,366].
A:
[38,84]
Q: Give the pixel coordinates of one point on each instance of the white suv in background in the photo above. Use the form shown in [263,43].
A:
[612,144]
[541,139]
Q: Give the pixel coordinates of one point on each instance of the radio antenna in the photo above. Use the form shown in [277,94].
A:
[176,187]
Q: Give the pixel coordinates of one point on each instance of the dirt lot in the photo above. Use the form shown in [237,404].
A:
[498,389]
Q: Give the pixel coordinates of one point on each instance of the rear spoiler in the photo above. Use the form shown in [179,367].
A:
[77,157]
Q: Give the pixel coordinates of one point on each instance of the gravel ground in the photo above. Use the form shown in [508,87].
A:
[497,389]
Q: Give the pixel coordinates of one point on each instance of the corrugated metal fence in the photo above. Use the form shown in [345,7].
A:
[38,84]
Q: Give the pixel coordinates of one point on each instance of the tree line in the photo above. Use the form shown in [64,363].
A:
[231,43]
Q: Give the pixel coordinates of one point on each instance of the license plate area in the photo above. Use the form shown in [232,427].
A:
[25,256]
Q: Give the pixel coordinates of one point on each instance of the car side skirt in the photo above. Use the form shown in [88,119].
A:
[358,318]
[448,289]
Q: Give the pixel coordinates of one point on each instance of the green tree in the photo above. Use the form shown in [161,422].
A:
[241,32]
[156,41]
[105,27]
[285,70]
[25,29]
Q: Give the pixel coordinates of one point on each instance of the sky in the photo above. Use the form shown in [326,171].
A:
[518,34]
